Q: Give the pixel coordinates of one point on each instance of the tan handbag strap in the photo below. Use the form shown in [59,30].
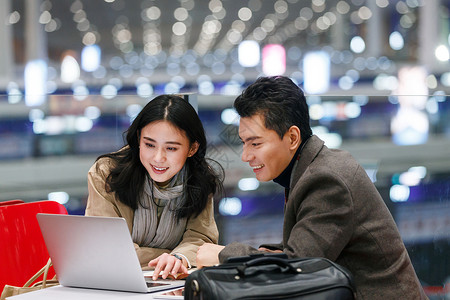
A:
[39,273]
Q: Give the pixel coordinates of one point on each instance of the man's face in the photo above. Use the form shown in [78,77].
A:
[266,153]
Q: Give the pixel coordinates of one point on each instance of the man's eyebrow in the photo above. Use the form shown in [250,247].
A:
[169,142]
[249,139]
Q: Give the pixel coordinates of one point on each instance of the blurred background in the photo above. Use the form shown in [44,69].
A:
[74,74]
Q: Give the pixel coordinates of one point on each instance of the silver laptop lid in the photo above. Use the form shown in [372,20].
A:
[92,252]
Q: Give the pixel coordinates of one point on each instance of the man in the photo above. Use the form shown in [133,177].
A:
[332,208]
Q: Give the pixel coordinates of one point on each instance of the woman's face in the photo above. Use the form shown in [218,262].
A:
[163,150]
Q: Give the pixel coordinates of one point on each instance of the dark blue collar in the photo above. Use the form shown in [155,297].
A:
[284,179]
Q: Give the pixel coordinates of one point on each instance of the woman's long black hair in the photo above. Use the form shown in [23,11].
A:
[128,175]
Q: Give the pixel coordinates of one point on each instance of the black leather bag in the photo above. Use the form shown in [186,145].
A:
[271,278]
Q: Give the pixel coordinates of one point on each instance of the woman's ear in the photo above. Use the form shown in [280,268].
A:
[295,137]
[194,148]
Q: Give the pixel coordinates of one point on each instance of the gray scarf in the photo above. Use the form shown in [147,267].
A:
[168,234]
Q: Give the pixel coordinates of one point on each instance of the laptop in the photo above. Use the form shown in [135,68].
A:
[96,252]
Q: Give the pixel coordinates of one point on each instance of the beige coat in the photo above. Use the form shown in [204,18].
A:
[199,230]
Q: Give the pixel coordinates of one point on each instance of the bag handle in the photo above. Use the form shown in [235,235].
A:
[265,261]
[44,270]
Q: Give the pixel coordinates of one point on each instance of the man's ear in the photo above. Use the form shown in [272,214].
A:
[295,137]
[193,150]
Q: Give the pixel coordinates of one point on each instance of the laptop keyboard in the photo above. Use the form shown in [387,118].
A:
[154,283]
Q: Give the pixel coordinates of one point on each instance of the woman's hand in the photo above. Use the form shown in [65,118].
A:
[167,264]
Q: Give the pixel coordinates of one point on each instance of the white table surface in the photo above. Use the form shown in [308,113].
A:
[60,292]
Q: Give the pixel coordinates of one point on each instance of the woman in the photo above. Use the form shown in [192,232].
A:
[161,183]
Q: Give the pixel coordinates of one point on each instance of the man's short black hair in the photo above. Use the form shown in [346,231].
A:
[280,101]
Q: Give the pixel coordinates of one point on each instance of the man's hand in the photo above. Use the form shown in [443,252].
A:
[208,255]
[168,264]
[269,250]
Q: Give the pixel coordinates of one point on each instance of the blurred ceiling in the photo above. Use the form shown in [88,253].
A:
[188,38]
[121,26]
